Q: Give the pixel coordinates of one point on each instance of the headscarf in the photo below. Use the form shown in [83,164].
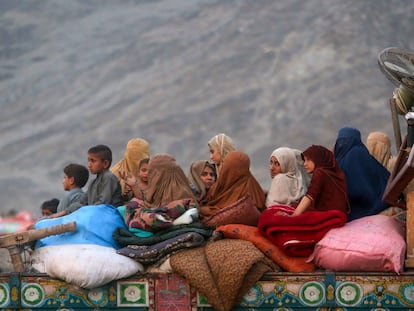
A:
[288,186]
[327,168]
[136,150]
[166,182]
[299,161]
[194,178]
[234,182]
[366,178]
[223,144]
[379,146]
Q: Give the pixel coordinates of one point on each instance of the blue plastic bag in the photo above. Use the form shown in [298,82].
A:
[95,225]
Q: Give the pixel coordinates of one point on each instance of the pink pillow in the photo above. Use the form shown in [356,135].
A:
[243,211]
[372,243]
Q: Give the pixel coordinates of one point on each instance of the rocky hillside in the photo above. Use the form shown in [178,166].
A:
[268,73]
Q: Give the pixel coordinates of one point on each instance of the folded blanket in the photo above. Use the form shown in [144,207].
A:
[297,235]
[149,254]
[223,271]
[124,237]
[251,233]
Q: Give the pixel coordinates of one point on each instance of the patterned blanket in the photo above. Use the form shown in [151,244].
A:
[223,271]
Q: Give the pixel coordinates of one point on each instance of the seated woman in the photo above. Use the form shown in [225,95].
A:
[220,145]
[201,176]
[136,150]
[288,185]
[327,189]
[366,178]
[167,196]
[379,146]
[234,182]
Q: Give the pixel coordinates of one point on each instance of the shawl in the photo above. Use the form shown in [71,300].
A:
[379,146]
[223,144]
[288,186]
[234,182]
[194,178]
[124,237]
[223,271]
[136,150]
[327,188]
[366,178]
[150,254]
[297,236]
[166,182]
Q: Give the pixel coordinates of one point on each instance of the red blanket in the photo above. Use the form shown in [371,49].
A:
[297,235]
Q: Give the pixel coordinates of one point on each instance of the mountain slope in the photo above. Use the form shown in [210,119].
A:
[268,73]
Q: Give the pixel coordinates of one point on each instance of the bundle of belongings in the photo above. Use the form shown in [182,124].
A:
[86,257]
[297,236]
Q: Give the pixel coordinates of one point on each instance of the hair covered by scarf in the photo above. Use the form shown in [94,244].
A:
[136,150]
[366,178]
[194,177]
[288,186]
[379,146]
[321,156]
[223,144]
[235,181]
[166,182]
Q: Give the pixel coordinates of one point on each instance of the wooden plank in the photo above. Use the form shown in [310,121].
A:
[409,262]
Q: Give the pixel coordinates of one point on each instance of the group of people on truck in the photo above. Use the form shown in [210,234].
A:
[153,190]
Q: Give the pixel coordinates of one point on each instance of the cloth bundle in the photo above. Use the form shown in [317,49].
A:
[223,271]
[298,235]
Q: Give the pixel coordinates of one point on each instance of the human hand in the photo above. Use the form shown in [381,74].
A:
[128,178]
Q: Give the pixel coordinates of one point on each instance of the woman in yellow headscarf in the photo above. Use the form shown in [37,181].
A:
[136,150]
[379,146]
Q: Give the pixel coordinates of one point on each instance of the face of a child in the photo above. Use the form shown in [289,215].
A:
[207,176]
[143,172]
[215,156]
[46,212]
[309,165]
[96,165]
[67,182]
[274,167]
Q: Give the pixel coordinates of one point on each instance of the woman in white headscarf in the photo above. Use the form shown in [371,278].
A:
[220,145]
[288,185]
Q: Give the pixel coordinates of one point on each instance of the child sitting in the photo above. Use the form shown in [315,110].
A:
[49,207]
[105,188]
[137,184]
[327,188]
[75,177]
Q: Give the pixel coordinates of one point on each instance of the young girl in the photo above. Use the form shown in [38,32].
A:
[327,189]
[201,177]
[288,185]
[220,145]
[138,184]
[296,231]
[136,150]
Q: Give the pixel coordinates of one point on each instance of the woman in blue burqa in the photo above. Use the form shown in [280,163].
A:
[366,178]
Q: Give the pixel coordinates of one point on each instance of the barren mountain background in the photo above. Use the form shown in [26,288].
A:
[269,73]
